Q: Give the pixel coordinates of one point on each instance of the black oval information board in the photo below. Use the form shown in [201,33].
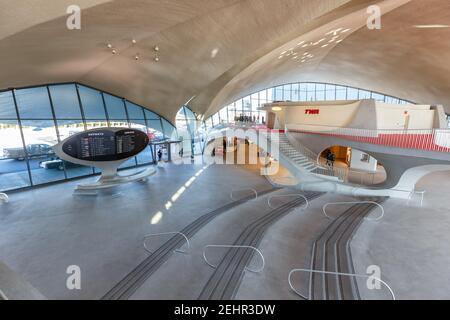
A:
[106,144]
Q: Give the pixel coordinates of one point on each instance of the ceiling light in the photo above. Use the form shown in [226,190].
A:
[276,109]
[109,45]
[325,45]
[431,26]
[136,57]
[156,48]
[133,41]
[334,38]
[114,51]
[214,52]
[157,59]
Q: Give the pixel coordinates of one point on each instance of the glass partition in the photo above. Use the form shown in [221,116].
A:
[249,107]
[34,119]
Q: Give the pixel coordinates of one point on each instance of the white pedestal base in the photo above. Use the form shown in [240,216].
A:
[114,181]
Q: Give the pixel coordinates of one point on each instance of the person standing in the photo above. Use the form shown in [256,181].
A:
[160,154]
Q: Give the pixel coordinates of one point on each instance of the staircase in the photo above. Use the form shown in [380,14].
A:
[297,155]
[294,155]
[304,158]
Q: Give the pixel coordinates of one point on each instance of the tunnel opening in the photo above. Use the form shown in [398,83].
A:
[359,166]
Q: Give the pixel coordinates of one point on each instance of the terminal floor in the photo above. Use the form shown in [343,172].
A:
[43,231]
[411,245]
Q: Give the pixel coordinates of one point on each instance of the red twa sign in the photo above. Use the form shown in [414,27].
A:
[312,111]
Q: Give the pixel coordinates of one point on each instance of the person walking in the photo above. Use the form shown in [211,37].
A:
[160,154]
[331,158]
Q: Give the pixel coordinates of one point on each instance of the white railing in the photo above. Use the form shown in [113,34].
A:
[363,175]
[421,193]
[354,202]
[164,234]
[411,194]
[247,189]
[437,140]
[3,296]
[336,274]
[340,173]
[302,149]
[288,195]
[238,247]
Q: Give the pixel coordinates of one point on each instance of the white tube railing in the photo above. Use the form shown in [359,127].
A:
[247,189]
[288,195]
[4,197]
[3,296]
[164,234]
[421,193]
[233,246]
[354,202]
[337,274]
[411,193]
[362,175]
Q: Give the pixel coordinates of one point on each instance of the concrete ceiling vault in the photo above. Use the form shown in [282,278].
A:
[217,51]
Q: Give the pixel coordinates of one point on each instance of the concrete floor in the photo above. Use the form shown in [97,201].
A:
[45,230]
[411,245]
[287,245]
[184,276]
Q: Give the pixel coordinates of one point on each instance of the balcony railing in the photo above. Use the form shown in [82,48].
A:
[437,140]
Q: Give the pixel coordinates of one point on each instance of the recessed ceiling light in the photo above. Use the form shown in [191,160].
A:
[431,26]
[114,51]
[109,45]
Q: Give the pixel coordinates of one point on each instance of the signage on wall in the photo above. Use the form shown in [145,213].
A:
[312,111]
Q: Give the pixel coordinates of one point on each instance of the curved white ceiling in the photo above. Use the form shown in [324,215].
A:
[218,50]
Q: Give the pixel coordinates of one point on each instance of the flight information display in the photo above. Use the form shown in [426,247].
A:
[106,144]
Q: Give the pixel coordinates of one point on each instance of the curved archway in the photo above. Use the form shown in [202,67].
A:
[361,167]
